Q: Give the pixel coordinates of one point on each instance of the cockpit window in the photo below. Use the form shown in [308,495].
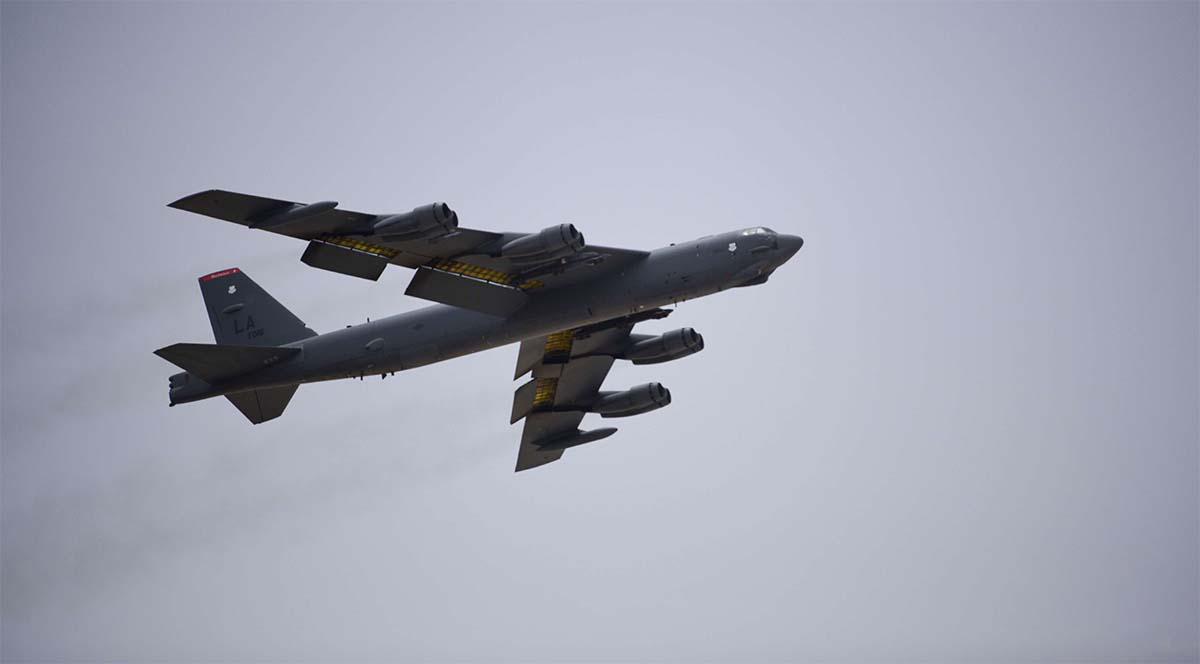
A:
[758,230]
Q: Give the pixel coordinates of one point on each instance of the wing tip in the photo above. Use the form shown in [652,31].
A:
[181,203]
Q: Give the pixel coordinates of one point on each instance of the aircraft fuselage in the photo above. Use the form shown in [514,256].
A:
[672,274]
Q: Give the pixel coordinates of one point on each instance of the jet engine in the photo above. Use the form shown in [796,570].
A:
[548,243]
[665,347]
[634,401]
[433,220]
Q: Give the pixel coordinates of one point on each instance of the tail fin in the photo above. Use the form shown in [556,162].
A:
[251,327]
[244,314]
[208,364]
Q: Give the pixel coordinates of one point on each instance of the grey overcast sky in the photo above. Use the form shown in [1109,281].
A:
[960,425]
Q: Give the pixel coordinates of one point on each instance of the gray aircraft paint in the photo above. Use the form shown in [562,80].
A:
[972,433]
[669,275]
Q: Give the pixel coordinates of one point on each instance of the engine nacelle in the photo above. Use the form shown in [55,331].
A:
[433,220]
[634,401]
[665,347]
[552,242]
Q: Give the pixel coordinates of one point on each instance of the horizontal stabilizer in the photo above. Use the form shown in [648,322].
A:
[344,261]
[215,363]
[465,292]
[262,404]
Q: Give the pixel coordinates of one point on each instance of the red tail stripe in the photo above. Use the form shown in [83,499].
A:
[218,275]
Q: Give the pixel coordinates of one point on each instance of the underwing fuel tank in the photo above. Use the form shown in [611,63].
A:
[576,438]
[294,213]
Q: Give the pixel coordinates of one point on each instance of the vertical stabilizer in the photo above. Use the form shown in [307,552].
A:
[244,314]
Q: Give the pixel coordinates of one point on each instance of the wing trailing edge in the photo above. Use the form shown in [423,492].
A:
[466,292]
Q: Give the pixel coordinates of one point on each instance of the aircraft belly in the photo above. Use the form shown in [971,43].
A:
[438,333]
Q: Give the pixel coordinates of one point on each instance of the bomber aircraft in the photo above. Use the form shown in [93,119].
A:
[571,305]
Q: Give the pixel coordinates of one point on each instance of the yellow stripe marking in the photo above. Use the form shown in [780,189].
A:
[453,267]
[559,342]
[359,245]
[543,394]
[483,274]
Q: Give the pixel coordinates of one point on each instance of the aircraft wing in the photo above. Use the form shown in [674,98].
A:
[567,368]
[455,265]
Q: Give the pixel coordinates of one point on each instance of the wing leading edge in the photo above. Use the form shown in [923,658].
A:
[362,245]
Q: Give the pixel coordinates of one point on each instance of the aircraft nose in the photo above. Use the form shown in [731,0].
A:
[790,244]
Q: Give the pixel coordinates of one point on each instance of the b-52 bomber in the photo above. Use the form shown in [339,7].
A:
[571,305]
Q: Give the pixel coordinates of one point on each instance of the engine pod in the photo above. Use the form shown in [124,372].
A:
[665,347]
[433,220]
[552,242]
[634,401]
